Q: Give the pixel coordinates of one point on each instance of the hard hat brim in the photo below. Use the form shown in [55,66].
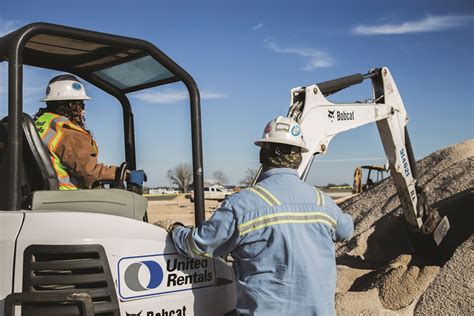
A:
[262,141]
[83,98]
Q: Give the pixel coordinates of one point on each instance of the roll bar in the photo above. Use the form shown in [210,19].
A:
[12,49]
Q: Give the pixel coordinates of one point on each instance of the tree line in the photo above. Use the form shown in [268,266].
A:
[181,176]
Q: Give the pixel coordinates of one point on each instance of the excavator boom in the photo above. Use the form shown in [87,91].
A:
[321,120]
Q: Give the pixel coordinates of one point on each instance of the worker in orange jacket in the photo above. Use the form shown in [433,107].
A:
[73,151]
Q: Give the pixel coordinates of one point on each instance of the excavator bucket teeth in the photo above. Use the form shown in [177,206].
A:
[441,230]
[435,225]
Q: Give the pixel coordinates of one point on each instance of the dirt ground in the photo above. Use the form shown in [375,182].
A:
[179,209]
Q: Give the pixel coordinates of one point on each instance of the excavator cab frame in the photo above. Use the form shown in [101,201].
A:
[115,64]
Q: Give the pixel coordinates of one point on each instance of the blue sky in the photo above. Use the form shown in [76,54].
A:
[246,56]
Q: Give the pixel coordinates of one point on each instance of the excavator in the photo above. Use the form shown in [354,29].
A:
[92,252]
[321,120]
[358,186]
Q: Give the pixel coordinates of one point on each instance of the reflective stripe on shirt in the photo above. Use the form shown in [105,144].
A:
[319,197]
[263,193]
[193,247]
[285,217]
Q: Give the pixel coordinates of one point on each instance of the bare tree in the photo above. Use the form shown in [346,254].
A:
[250,175]
[220,177]
[181,176]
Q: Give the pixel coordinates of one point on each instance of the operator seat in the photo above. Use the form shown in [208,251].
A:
[40,186]
[38,169]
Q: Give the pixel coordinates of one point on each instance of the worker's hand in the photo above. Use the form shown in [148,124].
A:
[121,174]
[168,224]
[137,177]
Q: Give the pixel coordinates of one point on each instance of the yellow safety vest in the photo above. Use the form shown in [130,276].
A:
[50,128]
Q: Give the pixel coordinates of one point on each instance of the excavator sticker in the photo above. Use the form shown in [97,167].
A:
[341,115]
[268,128]
[164,312]
[406,166]
[345,116]
[150,275]
[331,114]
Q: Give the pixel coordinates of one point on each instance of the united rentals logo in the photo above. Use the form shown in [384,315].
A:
[149,275]
[133,281]
[77,86]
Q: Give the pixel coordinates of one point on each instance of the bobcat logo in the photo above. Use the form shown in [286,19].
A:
[133,314]
[331,114]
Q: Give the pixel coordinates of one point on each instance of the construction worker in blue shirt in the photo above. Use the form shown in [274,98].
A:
[280,233]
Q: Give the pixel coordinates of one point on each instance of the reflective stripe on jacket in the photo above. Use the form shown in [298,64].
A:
[281,236]
[50,128]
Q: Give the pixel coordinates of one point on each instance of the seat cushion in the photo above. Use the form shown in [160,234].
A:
[105,201]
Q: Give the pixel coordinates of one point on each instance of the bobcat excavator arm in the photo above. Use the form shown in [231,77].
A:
[321,120]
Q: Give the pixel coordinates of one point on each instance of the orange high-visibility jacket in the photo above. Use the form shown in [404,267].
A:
[74,153]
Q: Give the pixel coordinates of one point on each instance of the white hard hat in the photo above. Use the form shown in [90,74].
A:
[283,130]
[65,87]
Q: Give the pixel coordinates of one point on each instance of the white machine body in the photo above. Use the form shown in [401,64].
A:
[149,277]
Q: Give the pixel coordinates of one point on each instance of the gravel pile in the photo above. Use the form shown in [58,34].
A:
[379,271]
[452,290]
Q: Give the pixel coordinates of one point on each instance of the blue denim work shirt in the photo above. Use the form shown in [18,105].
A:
[281,235]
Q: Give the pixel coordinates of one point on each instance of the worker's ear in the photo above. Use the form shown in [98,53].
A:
[278,150]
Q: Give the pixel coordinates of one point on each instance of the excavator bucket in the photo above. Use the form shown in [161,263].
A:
[441,231]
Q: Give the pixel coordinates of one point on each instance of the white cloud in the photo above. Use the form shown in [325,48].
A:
[428,24]
[167,96]
[258,26]
[7,26]
[175,96]
[209,95]
[315,58]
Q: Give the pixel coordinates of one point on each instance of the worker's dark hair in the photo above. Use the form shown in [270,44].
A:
[274,155]
[72,109]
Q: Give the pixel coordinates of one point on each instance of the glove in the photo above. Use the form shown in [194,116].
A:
[121,173]
[137,177]
[167,224]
